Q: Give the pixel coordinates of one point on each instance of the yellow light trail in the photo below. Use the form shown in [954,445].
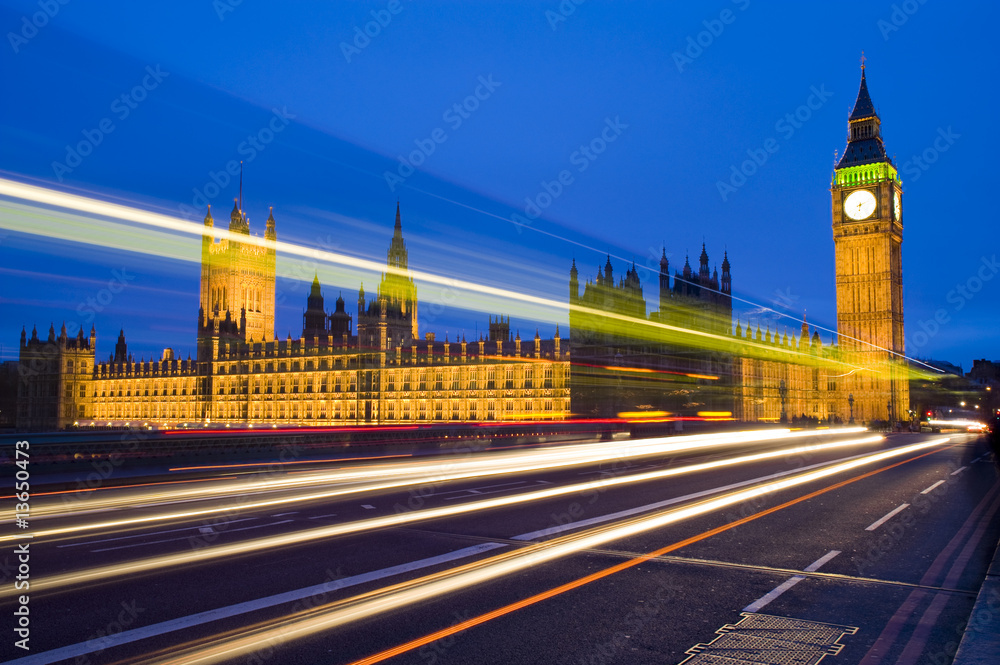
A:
[543,309]
[104,573]
[414,473]
[309,622]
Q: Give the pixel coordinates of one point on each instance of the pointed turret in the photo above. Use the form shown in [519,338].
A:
[703,262]
[609,272]
[864,133]
[208,217]
[397,254]
[269,232]
[121,348]
[237,221]
[314,319]
[574,284]
[863,106]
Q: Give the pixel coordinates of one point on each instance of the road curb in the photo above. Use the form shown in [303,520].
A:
[981,640]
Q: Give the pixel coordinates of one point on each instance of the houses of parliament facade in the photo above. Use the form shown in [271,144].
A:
[371,366]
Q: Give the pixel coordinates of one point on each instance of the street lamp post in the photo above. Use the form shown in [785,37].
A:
[850,402]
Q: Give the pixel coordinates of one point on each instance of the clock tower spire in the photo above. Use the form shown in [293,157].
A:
[868,234]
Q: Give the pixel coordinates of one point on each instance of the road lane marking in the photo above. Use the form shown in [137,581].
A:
[478,490]
[601,574]
[172,540]
[482,493]
[142,535]
[959,470]
[968,533]
[764,600]
[128,636]
[125,637]
[888,516]
[559,528]
[820,562]
[319,517]
[933,487]
[284,514]
[367,506]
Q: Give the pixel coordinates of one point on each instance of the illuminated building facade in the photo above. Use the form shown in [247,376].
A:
[242,376]
[863,377]
[621,363]
[685,357]
[866,197]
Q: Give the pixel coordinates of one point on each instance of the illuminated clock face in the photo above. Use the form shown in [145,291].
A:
[897,209]
[860,204]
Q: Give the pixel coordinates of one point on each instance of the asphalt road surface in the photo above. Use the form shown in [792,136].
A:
[834,546]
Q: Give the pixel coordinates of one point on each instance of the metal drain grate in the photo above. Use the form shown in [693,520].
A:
[763,639]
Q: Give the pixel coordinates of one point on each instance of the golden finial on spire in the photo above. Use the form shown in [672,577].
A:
[863,60]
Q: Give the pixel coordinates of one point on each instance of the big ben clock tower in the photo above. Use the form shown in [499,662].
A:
[867,234]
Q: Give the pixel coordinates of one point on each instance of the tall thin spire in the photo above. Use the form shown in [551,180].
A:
[241,186]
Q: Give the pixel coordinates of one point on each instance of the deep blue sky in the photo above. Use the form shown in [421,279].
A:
[560,82]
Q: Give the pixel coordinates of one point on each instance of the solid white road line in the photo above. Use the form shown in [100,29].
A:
[932,487]
[761,602]
[892,513]
[319,517]
[125,637]
[959,470]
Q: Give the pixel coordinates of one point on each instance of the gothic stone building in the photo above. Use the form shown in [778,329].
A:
[380,373]
[686,357]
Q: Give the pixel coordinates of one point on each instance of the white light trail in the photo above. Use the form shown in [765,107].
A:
[410,473]
[104,573]
[412,592]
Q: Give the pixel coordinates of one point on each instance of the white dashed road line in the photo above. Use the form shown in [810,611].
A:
[932,487]
[888,516]
[764,600]
[170,540]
